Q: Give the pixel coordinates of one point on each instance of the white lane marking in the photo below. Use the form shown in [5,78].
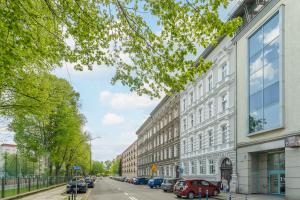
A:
[126,193]
[119,188]
[133,198]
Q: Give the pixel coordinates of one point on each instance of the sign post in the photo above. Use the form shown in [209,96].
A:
[76,168]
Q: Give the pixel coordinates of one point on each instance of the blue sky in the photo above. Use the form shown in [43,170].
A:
[112,111]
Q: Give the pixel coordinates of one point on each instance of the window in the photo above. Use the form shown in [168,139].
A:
[264,81]
[192,120]
[193,167]
[170,152]
[212,168]
[210,138]
[184,104]
[184,147]
[210,109]
[175,132]
[224,134]
[191,98]
[224,102]
[200,91]
[202,166]
[192,144]
[224,71]
[200,115]
[184,124]
[200,141]
[175,150]
[210,83]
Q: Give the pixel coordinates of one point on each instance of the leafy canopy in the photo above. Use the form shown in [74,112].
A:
[150,59]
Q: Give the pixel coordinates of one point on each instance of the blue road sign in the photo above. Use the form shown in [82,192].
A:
[76,168]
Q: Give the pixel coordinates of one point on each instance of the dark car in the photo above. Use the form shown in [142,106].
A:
[79,184]
[190,188]
[140,181]
[89,182]
[168,184]
[155,182]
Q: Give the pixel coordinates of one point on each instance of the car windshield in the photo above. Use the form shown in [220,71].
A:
[168,181]
[181,183]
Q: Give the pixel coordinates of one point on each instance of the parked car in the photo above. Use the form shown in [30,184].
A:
[190,188]
[81,186]
[89,182]
[155,182]
[140,181]
[168,184]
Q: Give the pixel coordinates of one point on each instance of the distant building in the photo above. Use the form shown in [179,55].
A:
[129,161]
[158,140]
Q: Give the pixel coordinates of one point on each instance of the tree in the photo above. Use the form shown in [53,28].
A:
[51,127]
[38,35]
[115,167]
[98,168]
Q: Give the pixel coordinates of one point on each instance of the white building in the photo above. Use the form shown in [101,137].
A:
[208,119]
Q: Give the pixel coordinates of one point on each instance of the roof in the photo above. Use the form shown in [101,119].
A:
[8,145]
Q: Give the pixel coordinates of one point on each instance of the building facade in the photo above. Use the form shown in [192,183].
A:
[268,90]
[158,140]
[129,161]
[208,119]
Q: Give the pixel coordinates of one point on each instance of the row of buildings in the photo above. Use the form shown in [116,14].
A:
[239,120]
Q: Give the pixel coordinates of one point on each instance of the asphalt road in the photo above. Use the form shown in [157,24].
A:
[107,189]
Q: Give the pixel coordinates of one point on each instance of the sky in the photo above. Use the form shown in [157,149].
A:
[113,113]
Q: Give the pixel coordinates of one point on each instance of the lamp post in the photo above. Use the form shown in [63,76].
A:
[91,151]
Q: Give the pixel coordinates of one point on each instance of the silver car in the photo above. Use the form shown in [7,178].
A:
[168,184]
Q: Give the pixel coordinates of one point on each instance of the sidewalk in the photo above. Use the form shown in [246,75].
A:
[234,196]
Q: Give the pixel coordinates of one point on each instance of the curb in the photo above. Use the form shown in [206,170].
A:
[86,195]
[32,192]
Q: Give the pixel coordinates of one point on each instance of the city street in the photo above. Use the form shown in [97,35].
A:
[107,189]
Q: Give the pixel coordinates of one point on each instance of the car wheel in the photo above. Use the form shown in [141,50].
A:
[178,196]
[191,195]
[216,192]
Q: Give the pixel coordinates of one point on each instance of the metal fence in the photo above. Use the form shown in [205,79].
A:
[15,186]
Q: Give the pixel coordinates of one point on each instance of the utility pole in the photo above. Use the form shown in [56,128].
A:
[91,151]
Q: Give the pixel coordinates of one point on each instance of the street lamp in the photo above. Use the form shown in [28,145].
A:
[91,151]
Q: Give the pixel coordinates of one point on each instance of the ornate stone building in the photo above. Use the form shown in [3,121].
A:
[129,161]
[208,119]
[158,140]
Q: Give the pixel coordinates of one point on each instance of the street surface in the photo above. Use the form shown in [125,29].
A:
[107,189]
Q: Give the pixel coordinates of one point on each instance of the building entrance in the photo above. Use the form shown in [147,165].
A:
[276,173]
[226,169]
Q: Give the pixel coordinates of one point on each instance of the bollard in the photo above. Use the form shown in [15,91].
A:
[246,197]
[206,194]
[229,196]
[200,194]
[2,188]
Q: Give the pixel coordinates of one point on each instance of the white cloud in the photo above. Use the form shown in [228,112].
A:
[112,119]
[127,100]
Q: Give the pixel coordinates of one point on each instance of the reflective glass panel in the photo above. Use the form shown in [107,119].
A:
[271,94]
[256,42]
[256,121]
[256,62]
[271,29]
[271,117]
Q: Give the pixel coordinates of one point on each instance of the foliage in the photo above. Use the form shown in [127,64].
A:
[48,124]
[38,35]
[98,168]
[115,167]
[17,165]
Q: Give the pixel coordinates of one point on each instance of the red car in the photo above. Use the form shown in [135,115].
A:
[190,188]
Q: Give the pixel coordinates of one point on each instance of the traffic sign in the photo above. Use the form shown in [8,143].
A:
[76,167]
[154,168]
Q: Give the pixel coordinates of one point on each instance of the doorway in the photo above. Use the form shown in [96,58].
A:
[226,170]
[277,182]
